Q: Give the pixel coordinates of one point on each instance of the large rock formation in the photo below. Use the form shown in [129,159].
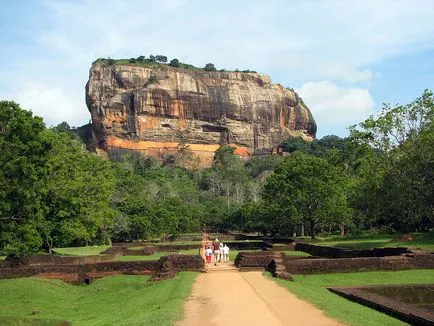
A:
[154,109]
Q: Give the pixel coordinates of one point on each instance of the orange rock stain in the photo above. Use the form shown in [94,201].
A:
[205,152]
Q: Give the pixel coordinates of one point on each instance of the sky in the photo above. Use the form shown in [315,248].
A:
[343,57]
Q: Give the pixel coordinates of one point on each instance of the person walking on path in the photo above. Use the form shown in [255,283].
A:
[216,247]
[226,253]
[221,252]
[208,254]
[204,243]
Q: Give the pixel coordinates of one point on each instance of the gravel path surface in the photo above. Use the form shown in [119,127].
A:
[225,296]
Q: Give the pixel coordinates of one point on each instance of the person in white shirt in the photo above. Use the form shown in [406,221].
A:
[225,253]
[221,252]
[216,248]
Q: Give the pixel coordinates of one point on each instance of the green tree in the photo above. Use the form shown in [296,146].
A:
[79,186]
[209,67]
[292,144]
[256,165]
[307,189]
[23,160]
[161,58]
[175,63]
[402,139]
[52,192]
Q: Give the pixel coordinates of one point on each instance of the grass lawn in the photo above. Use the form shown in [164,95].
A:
[136,248]
[312,288]
[157,255]
[296,253]
[177,243]
[81,251]
[113,300]
[233,253]
[422,240]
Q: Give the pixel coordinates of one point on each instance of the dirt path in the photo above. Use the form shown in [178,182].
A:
[246,298]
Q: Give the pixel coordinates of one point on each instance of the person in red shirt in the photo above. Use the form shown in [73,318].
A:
[216,248]
[208,254]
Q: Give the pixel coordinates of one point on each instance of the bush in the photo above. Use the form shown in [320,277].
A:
[161,58]
[175,63]
[209,67]
[151,80]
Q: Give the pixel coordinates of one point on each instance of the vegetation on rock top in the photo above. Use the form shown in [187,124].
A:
[161,60]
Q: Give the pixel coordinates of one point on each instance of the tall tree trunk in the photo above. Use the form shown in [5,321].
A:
[49,245]
[312,229]
[302,229]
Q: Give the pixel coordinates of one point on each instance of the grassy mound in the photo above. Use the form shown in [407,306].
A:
[114,300]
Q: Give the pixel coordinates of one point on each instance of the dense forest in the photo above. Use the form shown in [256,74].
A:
[53,192]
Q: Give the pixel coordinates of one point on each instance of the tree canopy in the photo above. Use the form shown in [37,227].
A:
[307,189]
[53,192]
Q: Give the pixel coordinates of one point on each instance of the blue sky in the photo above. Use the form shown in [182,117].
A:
[343,57]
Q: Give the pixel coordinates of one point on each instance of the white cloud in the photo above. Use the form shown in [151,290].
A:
[296,42]
[52,103]
[336,108]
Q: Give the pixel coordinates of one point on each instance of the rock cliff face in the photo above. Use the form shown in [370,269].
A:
[155,110]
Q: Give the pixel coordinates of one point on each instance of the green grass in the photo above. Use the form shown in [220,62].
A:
[312,288]
[136,248]
[296,253]
[81,251]
[157,255]
[177,243]
[113,300]
[233,253]
[422,240]
[16,321]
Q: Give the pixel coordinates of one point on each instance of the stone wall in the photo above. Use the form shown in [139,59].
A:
[165,267]
[340,265]
[333,252]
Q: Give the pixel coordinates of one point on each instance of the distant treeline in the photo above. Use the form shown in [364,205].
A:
[54,193]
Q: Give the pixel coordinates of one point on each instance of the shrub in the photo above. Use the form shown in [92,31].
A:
[209,67]
[161,58]
[175,63]
[151,80]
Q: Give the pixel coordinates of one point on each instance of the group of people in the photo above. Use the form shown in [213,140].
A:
[218,250]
